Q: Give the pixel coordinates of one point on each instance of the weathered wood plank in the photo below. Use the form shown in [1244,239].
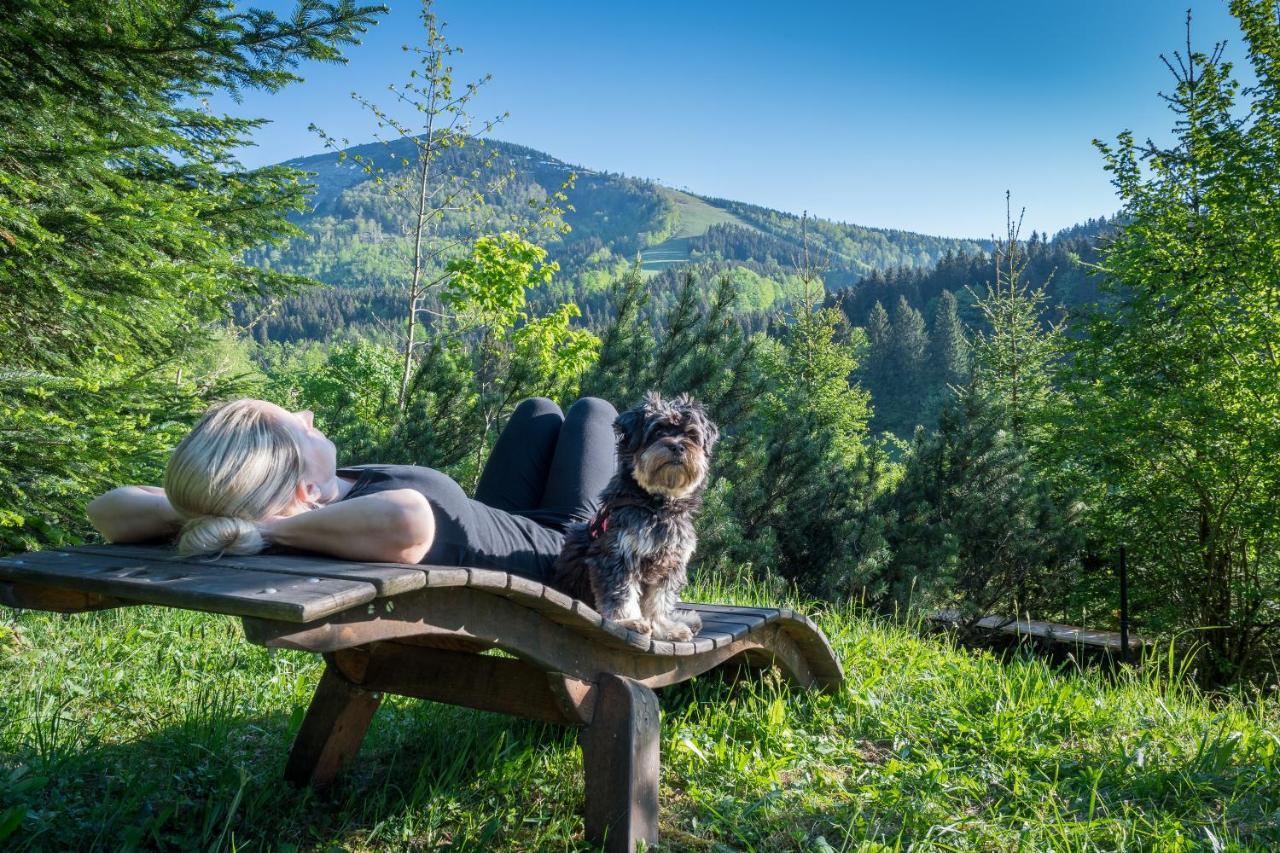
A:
[31,597]
[332,730]
[620,765]
[718,638]
[211,588]
[735,627]
[387,578]
[445,576]
[504,685]
[768,613]
[1054,632]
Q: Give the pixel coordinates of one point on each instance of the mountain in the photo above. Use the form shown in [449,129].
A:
[358,234]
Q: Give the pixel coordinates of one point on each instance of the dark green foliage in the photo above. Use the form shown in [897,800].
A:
[909,353]
[1176,387]
[696,346]
[122,218]
[1062,263]
[970,526]
[353,391]
[948,345]
[898,367]
[626,347]
[803,473]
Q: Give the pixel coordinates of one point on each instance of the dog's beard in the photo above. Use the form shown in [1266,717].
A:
[659,473]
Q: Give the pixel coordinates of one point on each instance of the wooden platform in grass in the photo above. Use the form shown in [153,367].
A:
[422,631]
[1052,632]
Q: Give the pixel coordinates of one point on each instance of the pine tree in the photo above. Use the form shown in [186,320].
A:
[802,469]
[948,347]
[123,219]
[1176,385]
[627,344]
[899,378]
[1014,356]
[876,370]
[971,526]
[910,343]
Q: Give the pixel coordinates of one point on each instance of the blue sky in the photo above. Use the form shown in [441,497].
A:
[914,115]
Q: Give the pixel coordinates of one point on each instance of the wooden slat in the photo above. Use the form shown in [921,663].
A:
[1052,631]
[767,613]
[387,578]
[444,576]
[717,637]
[737,627]
[213,589]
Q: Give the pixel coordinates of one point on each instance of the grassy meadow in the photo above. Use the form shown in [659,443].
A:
[695,216]
[155,728]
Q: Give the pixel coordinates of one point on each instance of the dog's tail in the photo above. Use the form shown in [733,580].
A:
[571,575]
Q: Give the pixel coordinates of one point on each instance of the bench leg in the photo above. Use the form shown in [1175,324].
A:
[331,732]
[620,763]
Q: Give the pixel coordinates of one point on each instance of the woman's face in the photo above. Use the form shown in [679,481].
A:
[319,456]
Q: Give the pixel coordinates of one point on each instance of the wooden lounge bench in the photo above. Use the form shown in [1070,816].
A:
[422,630]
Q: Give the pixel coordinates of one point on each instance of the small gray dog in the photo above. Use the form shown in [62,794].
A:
[630,560]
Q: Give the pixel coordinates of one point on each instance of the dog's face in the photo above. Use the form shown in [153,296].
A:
[666,444]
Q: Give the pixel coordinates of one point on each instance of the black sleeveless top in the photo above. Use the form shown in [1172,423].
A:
[468,533]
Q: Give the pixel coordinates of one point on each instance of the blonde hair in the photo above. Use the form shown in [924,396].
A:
[238,466]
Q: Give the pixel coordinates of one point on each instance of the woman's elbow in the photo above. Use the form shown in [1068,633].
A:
[102,513]
[414,526]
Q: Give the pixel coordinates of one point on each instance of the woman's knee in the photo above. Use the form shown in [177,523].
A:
[534,406]
[592,407]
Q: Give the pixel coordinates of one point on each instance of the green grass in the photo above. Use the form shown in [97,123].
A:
[696,216]
[163,729]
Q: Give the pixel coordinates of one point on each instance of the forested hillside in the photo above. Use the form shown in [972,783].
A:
[916,318]
[357,233]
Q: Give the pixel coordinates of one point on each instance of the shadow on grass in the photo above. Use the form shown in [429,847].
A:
[426,772]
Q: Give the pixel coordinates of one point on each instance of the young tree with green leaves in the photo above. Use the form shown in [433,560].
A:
[440,121]
[1016,352]
[1176,384]
[123,218]
[512,352]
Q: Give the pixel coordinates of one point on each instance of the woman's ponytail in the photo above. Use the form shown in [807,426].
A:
[220,534]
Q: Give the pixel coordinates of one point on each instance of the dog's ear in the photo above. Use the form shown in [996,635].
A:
[710,432]
[629,427]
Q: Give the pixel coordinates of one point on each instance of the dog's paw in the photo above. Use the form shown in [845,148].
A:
[640,626]
[689,618]
[667,629]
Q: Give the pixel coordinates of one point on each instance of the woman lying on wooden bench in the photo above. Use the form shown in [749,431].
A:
[252,474]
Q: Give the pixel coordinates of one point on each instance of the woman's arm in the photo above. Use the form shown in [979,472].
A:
[133,514]
[395,526]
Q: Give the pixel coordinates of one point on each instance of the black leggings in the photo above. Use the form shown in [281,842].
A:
[549,466]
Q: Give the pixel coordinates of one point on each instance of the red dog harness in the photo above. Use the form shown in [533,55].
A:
[600,521]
